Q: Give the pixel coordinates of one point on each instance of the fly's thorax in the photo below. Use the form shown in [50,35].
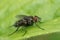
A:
[24,22]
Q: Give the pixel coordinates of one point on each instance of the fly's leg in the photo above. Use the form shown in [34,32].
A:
[25,31]
[39,22]
[39,26]
[14,31]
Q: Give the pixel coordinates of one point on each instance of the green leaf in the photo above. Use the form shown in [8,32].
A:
[47,10]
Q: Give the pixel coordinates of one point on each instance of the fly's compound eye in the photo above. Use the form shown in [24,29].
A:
[36,19]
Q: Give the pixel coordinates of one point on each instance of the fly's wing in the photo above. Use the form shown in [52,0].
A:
[20,16]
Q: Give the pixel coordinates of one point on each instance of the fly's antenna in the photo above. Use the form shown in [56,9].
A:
[14,31]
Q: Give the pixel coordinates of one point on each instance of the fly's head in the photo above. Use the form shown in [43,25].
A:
[36,19]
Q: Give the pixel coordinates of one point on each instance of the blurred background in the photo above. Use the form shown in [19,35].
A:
[47,10]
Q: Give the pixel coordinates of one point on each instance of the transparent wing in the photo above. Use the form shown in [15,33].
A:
[20,16]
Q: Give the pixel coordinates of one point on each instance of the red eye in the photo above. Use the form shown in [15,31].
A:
[35,19]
